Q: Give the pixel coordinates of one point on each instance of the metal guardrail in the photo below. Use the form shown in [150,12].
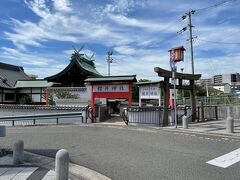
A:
[42,117]
[41,107]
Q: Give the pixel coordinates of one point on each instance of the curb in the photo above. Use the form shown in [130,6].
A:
[203,133]
[76,172]
[179,129]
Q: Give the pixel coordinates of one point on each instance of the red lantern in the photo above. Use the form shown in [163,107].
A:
[177,54]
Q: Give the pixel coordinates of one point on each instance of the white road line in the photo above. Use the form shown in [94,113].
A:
[226,160]
[25,173]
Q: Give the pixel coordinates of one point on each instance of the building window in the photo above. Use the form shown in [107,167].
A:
[9,97]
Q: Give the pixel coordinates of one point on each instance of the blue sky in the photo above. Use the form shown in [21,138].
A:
[39,34]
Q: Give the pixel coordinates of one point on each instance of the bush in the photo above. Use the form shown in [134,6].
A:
[25,100]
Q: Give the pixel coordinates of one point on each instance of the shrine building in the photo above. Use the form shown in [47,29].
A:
[80,68]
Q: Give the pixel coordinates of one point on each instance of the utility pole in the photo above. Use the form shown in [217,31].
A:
[190,26]
[109,60]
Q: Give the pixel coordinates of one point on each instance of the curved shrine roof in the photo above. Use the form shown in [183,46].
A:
[84,65]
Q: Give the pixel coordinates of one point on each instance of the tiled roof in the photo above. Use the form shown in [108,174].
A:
[147,83]
[9,74]
[89,67]
[83,64]
[112,78]
[33,83]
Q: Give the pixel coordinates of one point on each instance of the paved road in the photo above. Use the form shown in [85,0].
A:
[133,153]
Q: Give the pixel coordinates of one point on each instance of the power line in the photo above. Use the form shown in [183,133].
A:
[218,42]
[215,5]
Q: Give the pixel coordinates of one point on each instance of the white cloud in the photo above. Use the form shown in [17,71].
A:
[147,25]
[218,65]
[57,25]
[39,7]
[34,63]
[122,6]
[25,58]
[125,50]
[140,62]
[125,31]
[62,5]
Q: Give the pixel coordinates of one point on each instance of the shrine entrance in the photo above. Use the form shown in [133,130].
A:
[107,92]
[166,86]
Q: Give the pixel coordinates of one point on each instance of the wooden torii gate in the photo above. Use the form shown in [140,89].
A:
[165,86]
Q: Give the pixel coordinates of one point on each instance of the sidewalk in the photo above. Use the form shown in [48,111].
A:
[38,167]
[213,127]
[24,171]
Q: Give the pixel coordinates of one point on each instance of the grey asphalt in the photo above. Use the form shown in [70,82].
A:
[126,152]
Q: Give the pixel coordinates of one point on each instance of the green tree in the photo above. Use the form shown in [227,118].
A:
[135,90]
[200,90]
[66,95]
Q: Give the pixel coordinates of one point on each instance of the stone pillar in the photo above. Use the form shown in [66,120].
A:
[185,122]
[229,121]
[18,152]
[62,165]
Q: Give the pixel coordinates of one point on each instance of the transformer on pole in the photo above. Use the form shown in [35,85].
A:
[109,60]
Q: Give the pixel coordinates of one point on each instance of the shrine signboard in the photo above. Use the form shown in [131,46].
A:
[111,87]
[149,90]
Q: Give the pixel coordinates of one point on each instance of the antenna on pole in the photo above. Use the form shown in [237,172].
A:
[109,60]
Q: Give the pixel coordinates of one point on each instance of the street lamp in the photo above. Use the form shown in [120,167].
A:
[176,55]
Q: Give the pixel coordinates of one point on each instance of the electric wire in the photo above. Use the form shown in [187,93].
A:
[219,42]
[222,3]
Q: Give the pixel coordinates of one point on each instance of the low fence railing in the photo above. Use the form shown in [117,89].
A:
[234,110]
[217,112]
[147,115]
[207,113]
[41,117]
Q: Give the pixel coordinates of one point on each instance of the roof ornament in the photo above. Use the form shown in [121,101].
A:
[91,57]
[76,54]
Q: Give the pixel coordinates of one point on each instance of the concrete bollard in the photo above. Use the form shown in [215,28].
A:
[18,152]
[229,125]
[185,122]
[62,165]
[2,131]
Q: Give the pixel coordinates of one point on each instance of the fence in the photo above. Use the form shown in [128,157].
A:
[15,110]
[28,111]
[219,100]
[217,112]
[148,115]
[207,113]
[154,115]
[235,112]
[34,119]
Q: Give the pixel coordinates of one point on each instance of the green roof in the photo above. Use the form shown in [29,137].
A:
[32,83]
[83,64]
[112,78]
[88,67]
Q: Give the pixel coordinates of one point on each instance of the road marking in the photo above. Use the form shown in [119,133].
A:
[226,160]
